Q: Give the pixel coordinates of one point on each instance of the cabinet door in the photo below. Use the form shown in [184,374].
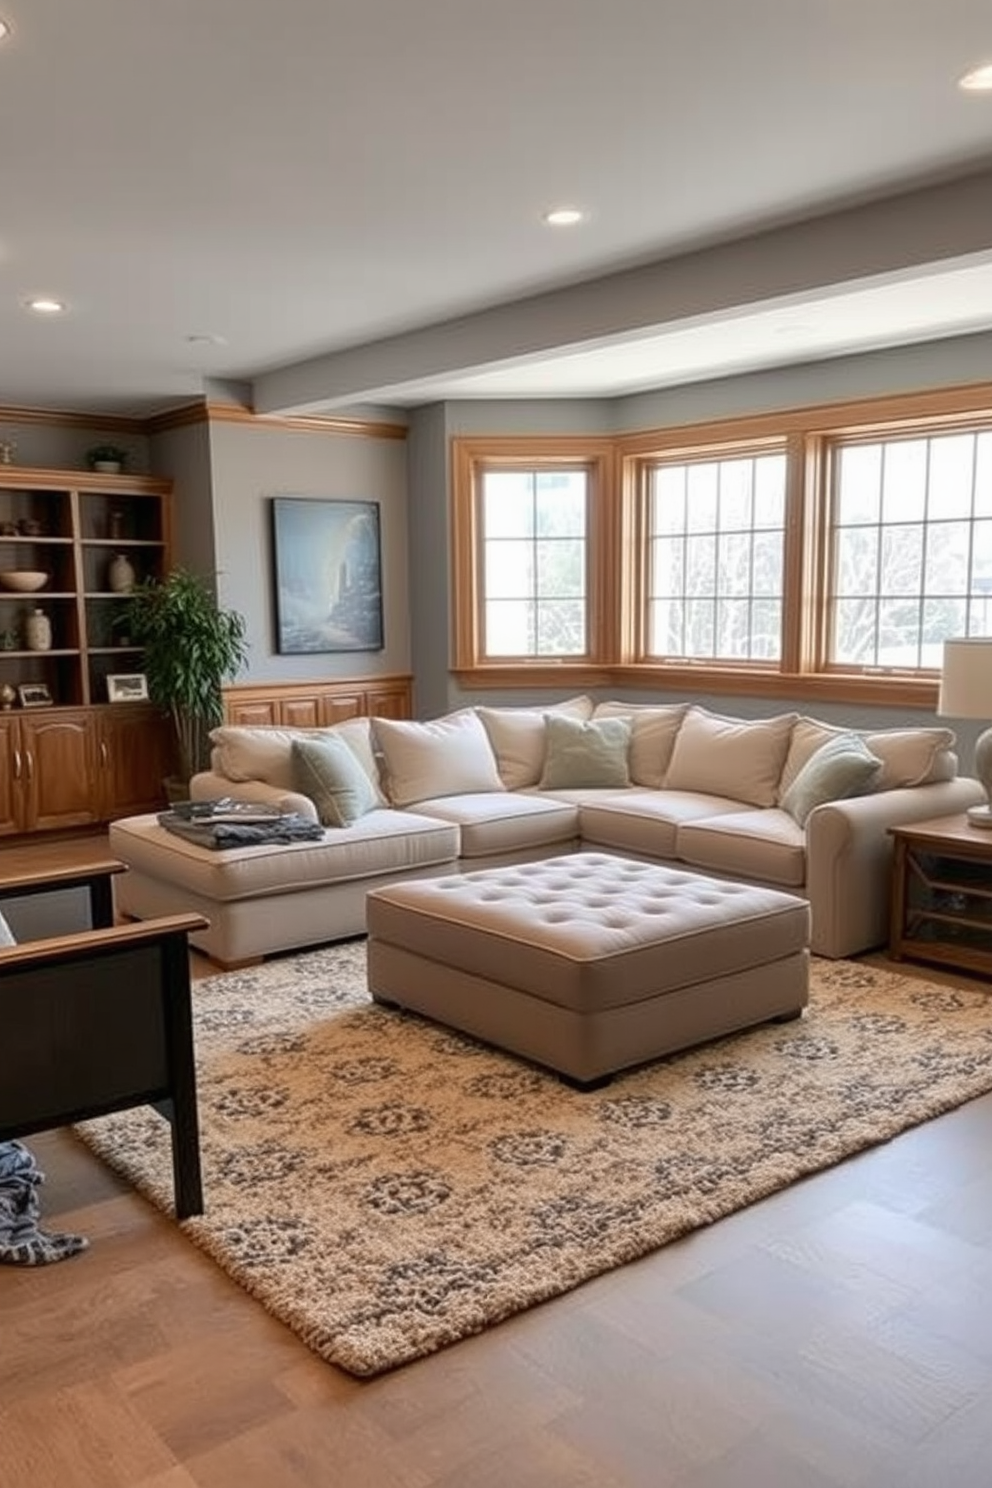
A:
[11,772]
[135,758]
[389,702]
[299,712]
[61,785]
[250,715]
[337,706]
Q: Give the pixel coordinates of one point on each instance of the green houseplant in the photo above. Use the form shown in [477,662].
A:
[191,647]
[106,457]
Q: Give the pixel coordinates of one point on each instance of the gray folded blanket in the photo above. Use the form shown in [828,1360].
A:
[288,828]
[22,1242]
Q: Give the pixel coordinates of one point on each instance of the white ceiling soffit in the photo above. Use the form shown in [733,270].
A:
[248,192]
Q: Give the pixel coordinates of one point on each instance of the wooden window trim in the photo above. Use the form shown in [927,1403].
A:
[617,574]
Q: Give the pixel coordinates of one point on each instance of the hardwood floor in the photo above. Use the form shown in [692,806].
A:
[835,1334]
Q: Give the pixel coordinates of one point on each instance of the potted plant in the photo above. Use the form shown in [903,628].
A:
[110,459]
[191,647]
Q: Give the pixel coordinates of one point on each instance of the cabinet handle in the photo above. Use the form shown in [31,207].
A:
[104,754]
[29,761]
[17,764]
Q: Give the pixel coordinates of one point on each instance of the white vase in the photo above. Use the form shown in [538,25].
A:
[107,467]
[38,631]
[120,574]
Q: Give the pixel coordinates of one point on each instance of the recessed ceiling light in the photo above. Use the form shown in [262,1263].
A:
[563,216]
[978,80]
[206,338]
[42,305]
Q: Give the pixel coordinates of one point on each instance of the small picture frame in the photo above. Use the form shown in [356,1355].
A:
[127,687]
[34,695]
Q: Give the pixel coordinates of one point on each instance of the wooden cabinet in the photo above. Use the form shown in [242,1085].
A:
[51,770]
[75,760]
[135,754]
[70,526]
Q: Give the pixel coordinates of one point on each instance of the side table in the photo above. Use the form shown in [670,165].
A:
[941,908]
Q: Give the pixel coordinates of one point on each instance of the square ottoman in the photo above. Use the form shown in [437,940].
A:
[589,963]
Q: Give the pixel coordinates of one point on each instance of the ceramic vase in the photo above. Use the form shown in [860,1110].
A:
[38,631]
[120,574]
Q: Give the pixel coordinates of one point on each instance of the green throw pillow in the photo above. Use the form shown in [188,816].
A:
[841,768]
[583,754]
[327,771]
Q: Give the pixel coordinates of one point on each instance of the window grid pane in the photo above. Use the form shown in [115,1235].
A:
[717,535]
[534,562]
[911,564]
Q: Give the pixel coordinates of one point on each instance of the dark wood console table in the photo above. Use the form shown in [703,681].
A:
[942,894]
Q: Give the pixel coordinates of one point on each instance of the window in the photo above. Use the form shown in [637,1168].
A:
[911,548]
[716,531]
[533,530]
[820,553]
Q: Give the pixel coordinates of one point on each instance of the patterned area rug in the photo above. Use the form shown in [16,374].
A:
[386,1187]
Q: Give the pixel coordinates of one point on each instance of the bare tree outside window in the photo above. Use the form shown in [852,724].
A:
[911,548]
[534,555]
[717,533]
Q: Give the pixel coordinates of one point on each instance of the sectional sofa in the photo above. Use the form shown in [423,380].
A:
[788,801]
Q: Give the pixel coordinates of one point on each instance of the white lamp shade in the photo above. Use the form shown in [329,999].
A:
[966,679]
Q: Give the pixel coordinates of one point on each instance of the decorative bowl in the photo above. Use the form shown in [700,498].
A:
[24,580]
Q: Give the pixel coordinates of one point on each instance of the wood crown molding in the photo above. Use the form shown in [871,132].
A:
[232,413]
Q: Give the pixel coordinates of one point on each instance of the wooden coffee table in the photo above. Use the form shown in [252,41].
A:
[942,894]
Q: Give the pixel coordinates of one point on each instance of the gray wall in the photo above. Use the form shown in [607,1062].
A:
[249,463]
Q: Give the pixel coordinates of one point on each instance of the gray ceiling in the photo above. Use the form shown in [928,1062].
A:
[303,179]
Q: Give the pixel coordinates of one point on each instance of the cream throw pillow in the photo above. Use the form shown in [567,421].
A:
[737,758]
[913,756]
[517,736]
[586,755]
[448,756]
[653,730]
[265,752]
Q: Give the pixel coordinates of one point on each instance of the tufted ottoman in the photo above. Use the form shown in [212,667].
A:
[589,963]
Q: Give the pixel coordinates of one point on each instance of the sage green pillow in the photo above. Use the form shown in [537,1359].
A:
[839,769]
[585,754]
[326,770]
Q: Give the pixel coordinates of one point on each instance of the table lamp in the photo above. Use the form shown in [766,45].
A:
[966,692]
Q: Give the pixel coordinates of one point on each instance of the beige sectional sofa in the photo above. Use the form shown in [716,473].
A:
[788,802]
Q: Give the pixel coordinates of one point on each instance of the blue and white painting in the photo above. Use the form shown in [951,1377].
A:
[328,575]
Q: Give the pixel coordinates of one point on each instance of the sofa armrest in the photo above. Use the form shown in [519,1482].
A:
[209,786]
[849,859]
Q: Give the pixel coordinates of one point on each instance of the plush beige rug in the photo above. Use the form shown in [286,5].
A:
[386,1187]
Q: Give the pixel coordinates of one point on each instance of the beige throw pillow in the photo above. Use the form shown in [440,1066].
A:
[653,730]
[737,758]
[265,752]
[586,755]
[448,756]
[517,736]
[913,756]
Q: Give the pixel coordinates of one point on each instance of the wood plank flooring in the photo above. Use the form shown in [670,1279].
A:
[839,1334]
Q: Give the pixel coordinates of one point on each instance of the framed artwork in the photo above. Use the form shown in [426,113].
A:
[328,575]
[34,695]
[127,687]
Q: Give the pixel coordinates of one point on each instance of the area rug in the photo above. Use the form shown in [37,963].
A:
[386,1187]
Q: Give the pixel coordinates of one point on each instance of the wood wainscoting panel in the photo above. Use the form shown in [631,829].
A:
[318,704]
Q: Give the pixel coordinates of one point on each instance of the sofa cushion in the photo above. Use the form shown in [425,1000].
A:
[583,754]
[448,756]
[767,846]
[914,756]
[841,768]
[645,823]
[737,757]
[499,822]
[518,738]
[652,737]
[328,772]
